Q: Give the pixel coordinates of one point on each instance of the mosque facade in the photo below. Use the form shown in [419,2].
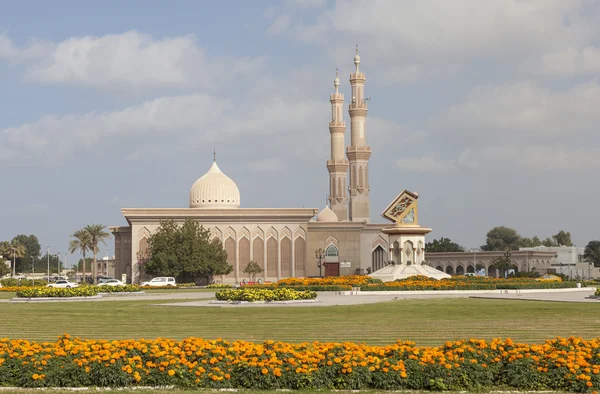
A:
[286,242]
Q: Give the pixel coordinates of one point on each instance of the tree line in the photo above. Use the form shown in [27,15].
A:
[25,251]
[502,238]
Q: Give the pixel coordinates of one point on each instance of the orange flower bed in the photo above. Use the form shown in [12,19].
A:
[568,364]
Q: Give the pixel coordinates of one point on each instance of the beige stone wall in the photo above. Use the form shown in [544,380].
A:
[461,262]
[245,242]
[123,247]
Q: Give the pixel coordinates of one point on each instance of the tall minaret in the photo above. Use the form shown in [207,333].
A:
[337,165]
[358,152]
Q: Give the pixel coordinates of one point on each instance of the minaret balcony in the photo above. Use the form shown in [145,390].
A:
[358,105]
[358,75]
[355,152]
[337,123]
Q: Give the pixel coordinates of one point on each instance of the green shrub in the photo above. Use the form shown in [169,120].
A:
[119,289]
[219,286]
[38,292]
[254,294]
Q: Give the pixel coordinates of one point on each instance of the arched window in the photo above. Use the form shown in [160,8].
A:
[332,251]
[299,253]
[286,257]
[378,259]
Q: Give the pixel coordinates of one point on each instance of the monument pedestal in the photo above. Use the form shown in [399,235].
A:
[407,242]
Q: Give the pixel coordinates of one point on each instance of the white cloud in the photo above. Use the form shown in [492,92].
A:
[127,61]
[526,112]
[570,62]
[430,33]
[52,138]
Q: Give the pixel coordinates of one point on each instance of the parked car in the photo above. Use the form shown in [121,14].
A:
[103,279]
[549,278]
[62,284]
[161,281]
[111,282]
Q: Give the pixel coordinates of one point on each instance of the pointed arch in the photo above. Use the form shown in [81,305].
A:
[299,232]
[230,246]
[144,232]
[258,232]
[216,233]
[286,256]
[409,251]
[332,240]
[378,258]
[286,232]
[244,251]
[230,232]
[272,252]
[271,232]
[379,241]
[244,232]
[299,256]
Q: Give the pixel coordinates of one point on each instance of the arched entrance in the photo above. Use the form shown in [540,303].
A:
[450,270]
[470,269]
[439,268]
[378,259]
[460,270]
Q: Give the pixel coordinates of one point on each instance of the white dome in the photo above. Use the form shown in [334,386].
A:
[214,190]
[327,215]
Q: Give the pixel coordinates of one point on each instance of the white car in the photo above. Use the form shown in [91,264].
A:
[161,281]
[62,284]
[111,282]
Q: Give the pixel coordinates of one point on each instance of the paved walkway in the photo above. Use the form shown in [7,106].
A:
[330,298]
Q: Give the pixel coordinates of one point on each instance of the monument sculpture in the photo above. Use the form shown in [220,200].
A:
[406,240]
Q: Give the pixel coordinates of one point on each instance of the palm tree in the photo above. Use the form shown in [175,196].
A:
[96,235]
[12,250]
[82,243]
[592,253]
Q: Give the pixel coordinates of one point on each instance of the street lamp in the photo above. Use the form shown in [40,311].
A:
[48,255]
[320,254]
[14,273]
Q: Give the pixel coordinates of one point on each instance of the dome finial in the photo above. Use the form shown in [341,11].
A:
[336,81]
[214,155]
[356,58]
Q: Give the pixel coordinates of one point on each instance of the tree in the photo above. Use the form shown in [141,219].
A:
[88,265]
[81,241]
[443,245]
[96,234]
[549,242]
[526,242]
[563,238]
[4,269]
[12,251]
[185,252]
[32,251]
[592,253]
[503,263]
[501,238]
[252,269]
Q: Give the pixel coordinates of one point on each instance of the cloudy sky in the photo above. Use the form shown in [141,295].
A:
[488,109]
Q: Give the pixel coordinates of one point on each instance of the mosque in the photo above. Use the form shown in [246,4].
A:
[291,242]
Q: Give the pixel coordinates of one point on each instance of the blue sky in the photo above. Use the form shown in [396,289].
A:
[487,109]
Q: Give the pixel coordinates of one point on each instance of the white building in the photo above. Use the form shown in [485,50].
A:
[568,260]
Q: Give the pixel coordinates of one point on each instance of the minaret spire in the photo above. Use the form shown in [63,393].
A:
[337,165]
[214,155]
[358,152]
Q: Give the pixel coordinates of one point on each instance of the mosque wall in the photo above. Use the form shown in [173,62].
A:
[279,248]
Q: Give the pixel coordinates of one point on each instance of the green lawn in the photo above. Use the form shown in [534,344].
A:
[427,322]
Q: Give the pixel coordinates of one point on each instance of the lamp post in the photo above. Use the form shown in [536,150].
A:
[14,273]
[319,254]
[48,256]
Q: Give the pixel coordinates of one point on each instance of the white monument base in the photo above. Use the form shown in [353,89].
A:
[402,271]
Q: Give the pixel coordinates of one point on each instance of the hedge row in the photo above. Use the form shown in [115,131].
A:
[570,365]
[250,294]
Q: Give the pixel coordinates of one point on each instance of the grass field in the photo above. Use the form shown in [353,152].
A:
[427,322]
